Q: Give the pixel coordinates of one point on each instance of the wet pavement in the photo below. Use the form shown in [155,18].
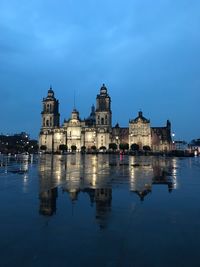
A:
[99,210]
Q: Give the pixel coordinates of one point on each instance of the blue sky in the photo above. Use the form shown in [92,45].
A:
[146,52]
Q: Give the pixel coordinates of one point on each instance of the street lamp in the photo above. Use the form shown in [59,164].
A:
[173,140]
[117,138]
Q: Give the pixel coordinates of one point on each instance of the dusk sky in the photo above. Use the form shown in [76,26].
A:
[146,52]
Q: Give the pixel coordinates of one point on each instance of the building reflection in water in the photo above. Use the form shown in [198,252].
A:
[102,199]
[144,175]
[50,169]
[48,201]
[97,175]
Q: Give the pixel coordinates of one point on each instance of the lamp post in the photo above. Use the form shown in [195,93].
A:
[117,139]
[173,141]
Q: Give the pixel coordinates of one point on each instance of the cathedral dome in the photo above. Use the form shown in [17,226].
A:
[103,89]
[50,92]
[75,114]
[140,117]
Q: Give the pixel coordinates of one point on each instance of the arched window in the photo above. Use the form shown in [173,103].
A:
[106,119]
[47,122]
[102,121]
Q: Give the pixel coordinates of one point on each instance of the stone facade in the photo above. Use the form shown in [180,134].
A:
[96,131]
[142,134]
[161,139]
[140,131]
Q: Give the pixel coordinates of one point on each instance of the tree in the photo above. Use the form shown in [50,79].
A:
[43,147]
[26,148]
[196,142]
[113,146]
[102,148]
[73,147]
[63,147]
[35,147]
[83,148]
[146,148]
[93,147]
[124,146]
[135,147]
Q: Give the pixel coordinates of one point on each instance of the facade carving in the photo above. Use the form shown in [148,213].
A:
[140,131]
[97,131]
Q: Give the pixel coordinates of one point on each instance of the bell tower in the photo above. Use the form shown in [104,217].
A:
[103,109]
[103,116]
[50,112]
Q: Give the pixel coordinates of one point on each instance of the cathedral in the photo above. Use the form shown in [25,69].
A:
[96,131]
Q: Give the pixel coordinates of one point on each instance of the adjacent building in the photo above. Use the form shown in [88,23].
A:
[17,143]
[96,131]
